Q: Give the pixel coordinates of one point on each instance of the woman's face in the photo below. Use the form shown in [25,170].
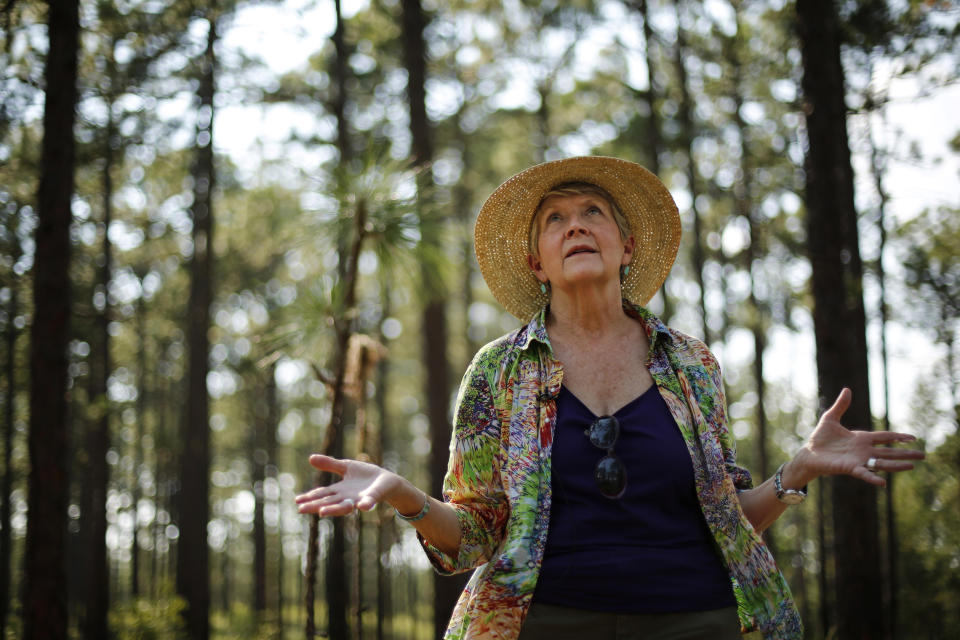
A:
[579,242]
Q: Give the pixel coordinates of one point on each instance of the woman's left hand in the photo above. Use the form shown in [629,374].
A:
[833,449]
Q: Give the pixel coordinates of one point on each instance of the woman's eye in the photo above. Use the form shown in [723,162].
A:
[593,210]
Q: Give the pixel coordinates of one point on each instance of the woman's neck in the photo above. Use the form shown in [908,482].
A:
[587,312]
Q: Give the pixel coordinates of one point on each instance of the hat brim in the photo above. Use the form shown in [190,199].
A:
[503,226]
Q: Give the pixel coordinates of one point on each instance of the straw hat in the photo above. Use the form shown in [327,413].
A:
[503,228]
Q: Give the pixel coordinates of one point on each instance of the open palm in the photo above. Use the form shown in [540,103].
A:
[362,486]
[833,449]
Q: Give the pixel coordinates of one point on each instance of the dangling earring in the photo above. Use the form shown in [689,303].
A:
[543,288]
[624,272]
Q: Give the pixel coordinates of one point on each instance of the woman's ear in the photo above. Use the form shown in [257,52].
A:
[628,247]
[534,263]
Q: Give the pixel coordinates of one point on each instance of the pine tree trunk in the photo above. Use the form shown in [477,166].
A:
[839,318]
[687,135]
[260,428]
[143,393]
[6,486]
[96,582]
[745,207]
[336,586]
[193,556]
[446,590]
[890,596]
[386,523]
[654,141]
[45,589]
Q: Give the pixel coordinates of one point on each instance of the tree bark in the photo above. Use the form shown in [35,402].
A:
[687,135]
[260,427]
[839,318]
[890,596]
[45,589]
[94,512]
[446,590]
[333,446]
[10,371]
[745,207]
[193,555]
[654,141]
[143,393]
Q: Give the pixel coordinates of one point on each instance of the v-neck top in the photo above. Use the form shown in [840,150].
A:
[649,550]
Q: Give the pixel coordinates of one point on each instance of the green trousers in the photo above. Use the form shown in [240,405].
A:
[551,622]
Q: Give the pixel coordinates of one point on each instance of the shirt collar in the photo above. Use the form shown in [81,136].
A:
[536,329]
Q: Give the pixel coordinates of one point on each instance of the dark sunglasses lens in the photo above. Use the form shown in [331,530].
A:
[611,477]
[604,432]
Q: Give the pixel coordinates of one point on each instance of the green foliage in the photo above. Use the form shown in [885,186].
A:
[928,506]
[150,618]
[242,622]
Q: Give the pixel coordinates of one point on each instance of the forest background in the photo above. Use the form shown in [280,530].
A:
[236,233]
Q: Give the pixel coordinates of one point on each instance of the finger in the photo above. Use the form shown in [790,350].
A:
[887,453]
[366,503]
[342,508]
[314,494]
[840,405]
[893,466]
[862,473]
[891,437]
[326,463]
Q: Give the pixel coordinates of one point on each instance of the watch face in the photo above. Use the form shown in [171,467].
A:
[791,497]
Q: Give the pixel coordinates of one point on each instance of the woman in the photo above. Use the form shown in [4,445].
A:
[592,477]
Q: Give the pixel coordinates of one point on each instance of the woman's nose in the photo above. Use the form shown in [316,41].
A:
[574,228]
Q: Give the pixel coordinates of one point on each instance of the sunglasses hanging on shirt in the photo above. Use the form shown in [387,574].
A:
[610,474]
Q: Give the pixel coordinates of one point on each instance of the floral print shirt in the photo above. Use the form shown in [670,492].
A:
[498,478]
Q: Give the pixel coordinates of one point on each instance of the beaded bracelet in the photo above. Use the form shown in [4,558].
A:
[419,516]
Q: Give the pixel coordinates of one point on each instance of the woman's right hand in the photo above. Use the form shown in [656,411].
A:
[363,486]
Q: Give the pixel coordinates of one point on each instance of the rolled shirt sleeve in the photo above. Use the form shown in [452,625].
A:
[472,485]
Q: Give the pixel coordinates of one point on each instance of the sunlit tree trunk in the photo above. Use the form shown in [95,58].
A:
[260,429]
[746,208]
[333,443]
[386,531]
[193,555]
[45,589]
[687,135]
[143,393]
[877,167]
[654,141]
[10,394]
[838,313]
[434,328]
[97,476]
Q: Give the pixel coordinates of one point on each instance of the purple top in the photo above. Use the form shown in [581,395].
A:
[650,550]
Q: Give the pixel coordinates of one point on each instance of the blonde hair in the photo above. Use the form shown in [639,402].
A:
[575,189]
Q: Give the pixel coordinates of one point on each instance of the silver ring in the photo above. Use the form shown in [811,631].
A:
[352,504]
[871,465]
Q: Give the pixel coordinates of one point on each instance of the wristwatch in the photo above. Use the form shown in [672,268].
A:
[788,496]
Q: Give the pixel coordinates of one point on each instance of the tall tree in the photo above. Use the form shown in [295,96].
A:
[193,556]
[687,136]
[45,592]
[434,327]
[97,475]
[838,313]
[10,393]
[336,556]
